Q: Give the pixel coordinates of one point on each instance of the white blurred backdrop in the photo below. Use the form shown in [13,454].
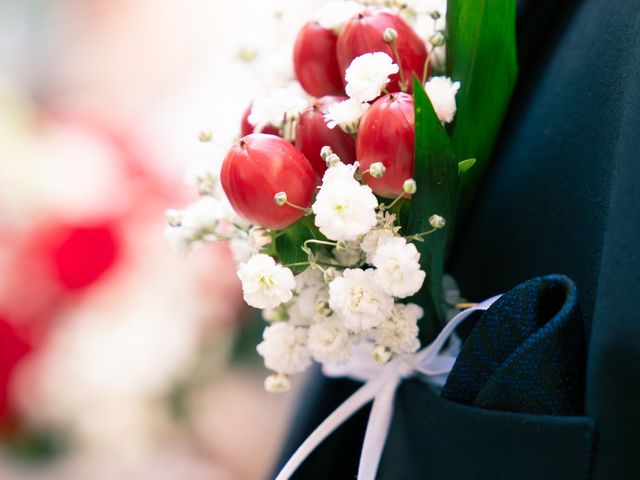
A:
[115,353]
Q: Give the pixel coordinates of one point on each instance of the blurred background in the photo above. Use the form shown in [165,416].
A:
[120,359]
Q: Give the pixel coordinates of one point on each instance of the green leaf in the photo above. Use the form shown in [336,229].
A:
[436,174]
[288,242]
[481,55]
[465,165]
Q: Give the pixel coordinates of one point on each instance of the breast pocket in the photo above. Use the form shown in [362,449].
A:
[434,438]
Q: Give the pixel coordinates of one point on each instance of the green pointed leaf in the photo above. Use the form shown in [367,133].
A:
[436,174]
[465,165]
[289,242]
[481,54]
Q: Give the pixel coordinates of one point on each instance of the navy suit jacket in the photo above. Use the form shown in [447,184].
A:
[562,195]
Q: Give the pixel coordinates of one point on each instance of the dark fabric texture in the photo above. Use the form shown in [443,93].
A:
[561,195]
[433,438]
[526,353]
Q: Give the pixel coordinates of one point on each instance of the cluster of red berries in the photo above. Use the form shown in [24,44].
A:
[262,164]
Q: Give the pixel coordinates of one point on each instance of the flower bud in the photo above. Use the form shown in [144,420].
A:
[205,136]
[280,198]
[322,309]
[207,186]
[332,160]
[329,274]
[409,186]
[436,221]
[277,383]
[377,170]
[325,152]
[277,314]
[259,238]
[174,217]
[381,354]
[247,54]
[342,246]
[389,35]
[437,39]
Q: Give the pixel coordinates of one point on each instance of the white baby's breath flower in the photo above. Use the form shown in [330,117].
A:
[241,250]
[277,314]
[283,348]
[400,332]
[442,93]
[329,341]
[205,176]
[265,284]
[201,221]
[374,238]
[260,238]
[344,209]
[177,239]
[368,74]
[310,291]
[277,383]
[348,254]
[272,109]
[397,267]
[339,172]
[359,302]
[200,218]
[333,15]
[346,114]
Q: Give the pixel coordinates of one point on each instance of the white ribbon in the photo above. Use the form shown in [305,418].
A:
[381,383]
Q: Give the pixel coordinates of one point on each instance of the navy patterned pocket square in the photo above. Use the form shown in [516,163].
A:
[525,354]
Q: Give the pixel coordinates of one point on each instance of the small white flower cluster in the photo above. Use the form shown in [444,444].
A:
[429,20]
[442,93]
[366,77]
[210,218]
[350,294]
[354,288]
[280,109]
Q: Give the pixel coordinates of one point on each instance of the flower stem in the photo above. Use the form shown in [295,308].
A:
[395,201]
[320,242]
[305,210]
[396,54]
[297,264]
[425,71]
[419,236]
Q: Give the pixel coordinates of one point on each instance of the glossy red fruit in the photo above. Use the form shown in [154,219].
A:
[363,34]
[386,134]
[256,168]
[246,128]
[315,62]
[312,134]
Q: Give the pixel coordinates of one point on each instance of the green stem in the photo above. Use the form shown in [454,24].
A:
[320,242]
[418,236]
[395,201]
[297,264]
[403,83]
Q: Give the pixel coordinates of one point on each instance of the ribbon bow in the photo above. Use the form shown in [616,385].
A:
[381,383]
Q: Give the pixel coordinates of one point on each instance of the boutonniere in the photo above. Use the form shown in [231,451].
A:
[342,195]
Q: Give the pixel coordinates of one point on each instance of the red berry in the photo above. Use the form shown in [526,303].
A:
[315,63]
[312,134]
[363,34]
[246,128]
[386,134]
[256,168]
